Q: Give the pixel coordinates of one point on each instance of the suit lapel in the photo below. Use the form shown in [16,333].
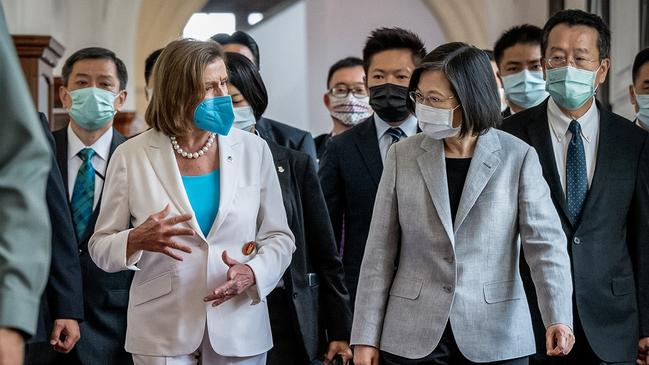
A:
[229,160]
[433,169]
[162,159]
[541,139]
[368,146]
[605,149]
[483,165]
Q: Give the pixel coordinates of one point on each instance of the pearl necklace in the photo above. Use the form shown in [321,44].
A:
[197,154]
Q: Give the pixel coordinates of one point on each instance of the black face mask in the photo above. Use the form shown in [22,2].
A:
[389,102]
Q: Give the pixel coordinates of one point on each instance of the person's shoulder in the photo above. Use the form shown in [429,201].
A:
[349,135]
[515,122]
[136,142]
[286,129]
[509,142]
[628,130]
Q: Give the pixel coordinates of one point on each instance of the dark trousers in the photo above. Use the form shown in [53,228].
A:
[446,353]
[581,353]
[288,347]
[42,353]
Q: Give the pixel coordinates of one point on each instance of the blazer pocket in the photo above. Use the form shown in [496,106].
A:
[406,288]
[151,289]
[622,286]
[117,298]
[501,291]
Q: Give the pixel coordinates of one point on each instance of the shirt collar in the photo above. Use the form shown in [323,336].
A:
[101,146]
[408,126]
[559,122]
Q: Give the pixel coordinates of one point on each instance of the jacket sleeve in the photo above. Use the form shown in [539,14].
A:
[25,232]
[275,240]
[544,244]
[322,250]
[377,270]
[64,287]
[333,190]
[638,229]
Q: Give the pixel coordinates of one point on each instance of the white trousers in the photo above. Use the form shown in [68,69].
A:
[205,355]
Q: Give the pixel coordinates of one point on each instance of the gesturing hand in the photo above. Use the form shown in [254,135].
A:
[65,335]
[338,348]
[240,278]
[156,235]
[559,340]
[643,351]
[366,355]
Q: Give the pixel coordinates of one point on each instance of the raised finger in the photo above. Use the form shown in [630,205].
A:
[177,246]
[221,291]
[169,252]
[172,221]
[179,232]
[163,213]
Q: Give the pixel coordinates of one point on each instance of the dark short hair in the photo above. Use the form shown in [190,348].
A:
[95,53]
[243,74]
[241,38]
[344,63]
[573,17]
[640,59]
[149,63]
[520,34]
[469,72]
[384,39]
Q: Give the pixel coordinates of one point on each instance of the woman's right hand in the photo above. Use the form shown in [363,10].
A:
[366,355]
[156,234]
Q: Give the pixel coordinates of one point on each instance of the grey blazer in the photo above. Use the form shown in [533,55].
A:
[464,271]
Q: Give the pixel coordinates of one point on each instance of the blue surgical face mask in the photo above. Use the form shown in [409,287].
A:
[215,115]
[525,89]
[571,87]
[92,107]
[244,118]
[643,112]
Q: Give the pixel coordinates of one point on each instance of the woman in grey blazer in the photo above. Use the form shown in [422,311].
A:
[440,282]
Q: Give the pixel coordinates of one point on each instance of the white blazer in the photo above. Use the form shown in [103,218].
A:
[166,312]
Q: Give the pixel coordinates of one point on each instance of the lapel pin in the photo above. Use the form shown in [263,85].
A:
[280,169]
[249,248]
[230,158]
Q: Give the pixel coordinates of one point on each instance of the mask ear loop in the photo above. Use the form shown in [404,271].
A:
[596,86]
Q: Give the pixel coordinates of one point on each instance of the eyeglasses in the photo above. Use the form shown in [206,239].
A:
[429,100]
[342,92]
[561,61]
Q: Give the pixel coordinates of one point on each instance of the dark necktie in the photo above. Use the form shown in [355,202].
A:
[83,194]
[576,173]
[396,133]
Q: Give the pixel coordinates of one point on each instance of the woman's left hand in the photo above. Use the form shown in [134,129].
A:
[240,278]
[339,348]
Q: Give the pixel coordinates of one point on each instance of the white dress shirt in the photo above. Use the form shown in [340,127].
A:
[561,136]
[99,160]
[409,127]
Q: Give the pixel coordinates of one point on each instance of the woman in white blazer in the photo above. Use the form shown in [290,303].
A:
[450,207]
[210,237]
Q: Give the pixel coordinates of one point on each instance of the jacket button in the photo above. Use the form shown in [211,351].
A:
[448,288]
[294,295]
[576,241]
[80,251]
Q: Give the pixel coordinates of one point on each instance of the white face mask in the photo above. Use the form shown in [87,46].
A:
[436,123]
[244,118]
[350,110]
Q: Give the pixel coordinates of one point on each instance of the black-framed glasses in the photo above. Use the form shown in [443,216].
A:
[343,91]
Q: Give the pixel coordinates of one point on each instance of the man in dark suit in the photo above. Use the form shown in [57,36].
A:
[272,130]
[639,88]
[346,99]
[62,302]
[597,166]
[351,167]
[94,82]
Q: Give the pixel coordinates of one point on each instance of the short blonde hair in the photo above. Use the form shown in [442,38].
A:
[178,84]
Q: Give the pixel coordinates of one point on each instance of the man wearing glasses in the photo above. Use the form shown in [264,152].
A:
[597,166]
[346,99]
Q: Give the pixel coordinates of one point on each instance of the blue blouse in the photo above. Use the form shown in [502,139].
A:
[204,193]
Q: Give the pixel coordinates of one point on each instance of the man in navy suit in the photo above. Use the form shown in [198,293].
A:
[351,167]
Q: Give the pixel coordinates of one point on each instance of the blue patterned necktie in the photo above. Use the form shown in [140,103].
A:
[396,133]
[576,173]
[83,194]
